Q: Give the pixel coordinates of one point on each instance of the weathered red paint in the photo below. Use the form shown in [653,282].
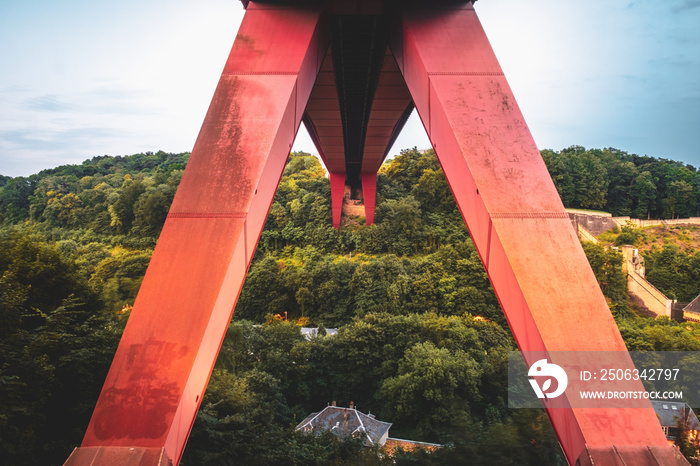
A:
[323,122]
[119,456]
[390,109]
[519,226]
[337,194]
[515,216]
[389,112]
[175,330]
[369,195]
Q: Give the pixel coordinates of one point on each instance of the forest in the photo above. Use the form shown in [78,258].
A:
[75,242]
[624,184]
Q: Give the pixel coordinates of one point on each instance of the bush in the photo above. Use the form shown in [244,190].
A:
[628,235]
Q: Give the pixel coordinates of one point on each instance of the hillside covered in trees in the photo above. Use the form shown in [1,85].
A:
[624,184]
[76,240]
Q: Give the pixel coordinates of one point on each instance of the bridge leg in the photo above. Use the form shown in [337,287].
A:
[517,221]
[160,371]
[369,195]
[337,194]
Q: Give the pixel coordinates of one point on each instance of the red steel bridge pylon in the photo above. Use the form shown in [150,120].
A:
[352,71]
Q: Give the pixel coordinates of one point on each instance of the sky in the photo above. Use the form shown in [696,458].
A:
[83,78]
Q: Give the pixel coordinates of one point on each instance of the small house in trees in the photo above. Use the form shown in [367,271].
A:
[674,416]
[347,422]
[692,311]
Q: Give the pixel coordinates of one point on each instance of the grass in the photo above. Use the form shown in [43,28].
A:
[687,238]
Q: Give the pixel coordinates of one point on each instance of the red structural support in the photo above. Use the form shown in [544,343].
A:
[439,60]
[515,216]
[369,195]
[337,194]
[324,124]
[164,360]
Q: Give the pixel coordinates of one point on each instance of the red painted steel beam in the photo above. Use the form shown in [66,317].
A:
[515,216]
[337,195]
[164,360]
[391,107]
[531,253]
[369,195]
[322,118]
[324,124]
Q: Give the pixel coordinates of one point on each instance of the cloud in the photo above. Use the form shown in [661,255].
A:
[101,100]
[14,89]
[681,63]
[37,140]
[23,152]
[677,6]
[42,130]
[685,5]
[48,103]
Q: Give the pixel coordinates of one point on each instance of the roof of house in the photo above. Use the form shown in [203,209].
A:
[346,422]
[694,306]
[670,412]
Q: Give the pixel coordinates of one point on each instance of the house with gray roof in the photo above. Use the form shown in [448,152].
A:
[347,422]
[672,413]
[692,311]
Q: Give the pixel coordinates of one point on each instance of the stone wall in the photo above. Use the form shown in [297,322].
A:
[585,235]
[595,222]
[599,222]
[646,294]
[653,299]
[622,221]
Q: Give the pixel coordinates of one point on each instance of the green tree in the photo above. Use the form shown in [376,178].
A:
[676,273]
[55,349]
[561,176]
[64,210]
[645,191]
[122,203]
[14,199]
[679,201]
[622,175]
[263,291]
[118,277]
[152,207]
[592,182]
[607,267]
[432,386]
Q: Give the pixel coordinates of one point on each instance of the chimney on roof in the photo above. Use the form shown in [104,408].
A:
[352,405]
[333,404]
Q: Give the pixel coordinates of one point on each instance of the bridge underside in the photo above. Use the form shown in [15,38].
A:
[352,70]
[354,114]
